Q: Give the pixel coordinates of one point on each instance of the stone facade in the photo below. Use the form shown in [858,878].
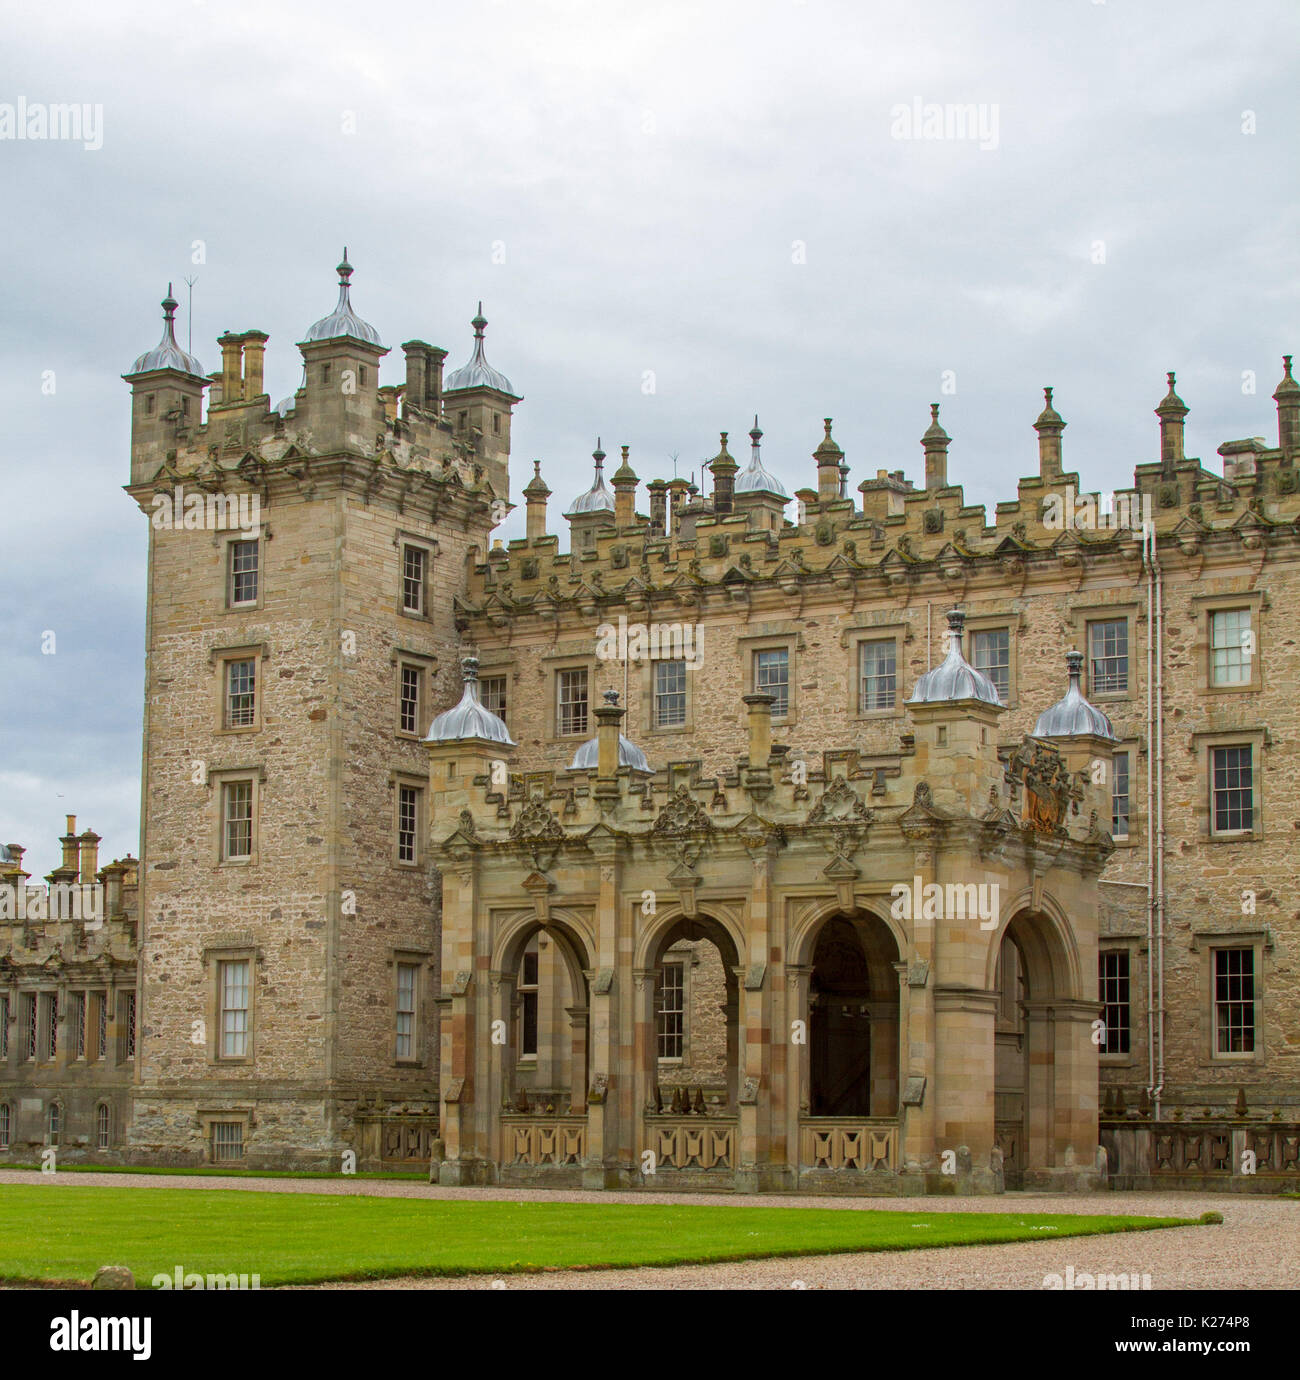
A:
[68,983]
[355,994]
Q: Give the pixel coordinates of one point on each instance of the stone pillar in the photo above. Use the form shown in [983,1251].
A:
[964,1079]
[609,1097]
[578,1016]
[798,977]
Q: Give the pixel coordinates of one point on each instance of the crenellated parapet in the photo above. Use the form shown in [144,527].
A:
[900,542]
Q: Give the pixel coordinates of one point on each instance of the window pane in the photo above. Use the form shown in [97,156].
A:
[572,686]
[772,677]
[879,675]
[492,693]
[234,1009]
[408,816]
[672,1010]
[1113,973]
[239,819]
[670,693]
[1233,789]
[241,687]
[227,1140]
[1119,797]
[410,706]
[413,567]
[992,655]
[1231,646]
[1234,1000]
[406,1010]
[243,572]
[1108,657]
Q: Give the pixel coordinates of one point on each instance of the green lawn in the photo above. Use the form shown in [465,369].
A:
[53,1232]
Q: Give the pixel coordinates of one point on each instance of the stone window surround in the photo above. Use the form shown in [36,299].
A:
[647,681]
[1079,616]
[1136,948]
[1204,944]
[420,785]
[218,779]
[427,665]
[422,960]
[553,664]
[774,637]
[995,622]
[852,639]
[245,1115]
[224,541]
[401,540]
[1201,744]
[230,949]
[218,659]
[1137,756]
[1202,607]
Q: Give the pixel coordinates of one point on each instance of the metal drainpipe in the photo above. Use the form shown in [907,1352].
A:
[1160,829]
[1147,536]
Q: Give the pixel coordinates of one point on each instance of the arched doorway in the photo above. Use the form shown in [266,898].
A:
[695,1055]
[1011,1061]
[545,1010]
[853,1020]
[1045,1072]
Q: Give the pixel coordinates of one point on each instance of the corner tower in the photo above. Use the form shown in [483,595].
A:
[303,567]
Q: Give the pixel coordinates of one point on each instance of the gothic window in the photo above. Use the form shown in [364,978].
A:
[102,1126]
[528,1002]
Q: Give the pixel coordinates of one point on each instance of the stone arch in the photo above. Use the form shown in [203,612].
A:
[844,968]
[653,939]
[1047,941]
[803,939]
[717,931]
[575,944]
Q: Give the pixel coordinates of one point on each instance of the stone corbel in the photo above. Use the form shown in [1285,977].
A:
[460,986]
[755,977]
[918,973]
[539,887]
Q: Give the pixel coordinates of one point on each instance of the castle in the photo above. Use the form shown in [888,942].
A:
[868,846]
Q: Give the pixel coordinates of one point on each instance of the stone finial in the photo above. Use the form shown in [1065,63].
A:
[1171,411]
[935,444]
[1287,397]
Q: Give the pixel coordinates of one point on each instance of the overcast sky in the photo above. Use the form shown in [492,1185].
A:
[716,194]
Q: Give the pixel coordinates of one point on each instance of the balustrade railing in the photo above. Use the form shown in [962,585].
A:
[862,1143]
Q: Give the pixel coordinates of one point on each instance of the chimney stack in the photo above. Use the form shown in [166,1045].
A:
[724,468]
[232,368]
[69,842]
[89,843]
[624,481]
[829,458]
[254,363]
